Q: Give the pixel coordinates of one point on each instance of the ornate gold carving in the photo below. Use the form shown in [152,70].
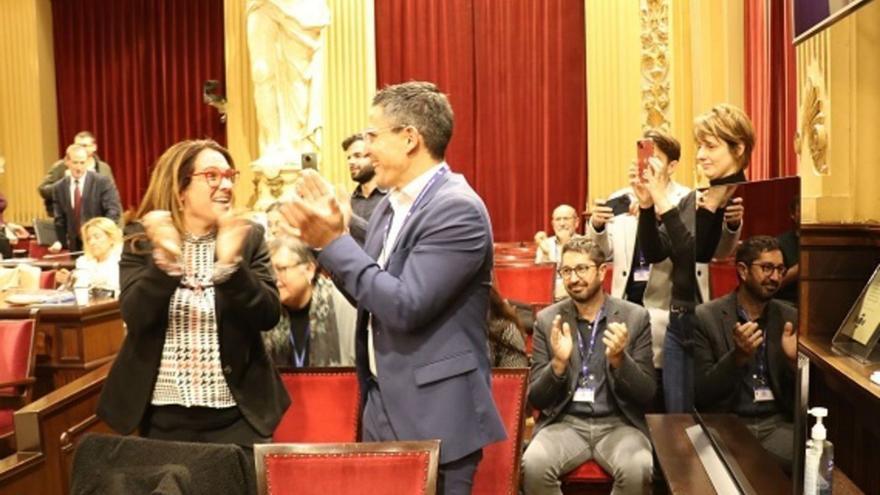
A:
[654,16]
[811,141]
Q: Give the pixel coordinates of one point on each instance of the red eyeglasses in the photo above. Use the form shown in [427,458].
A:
[214,176]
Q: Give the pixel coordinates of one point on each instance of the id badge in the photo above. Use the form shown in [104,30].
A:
[586,391]
[763,394]
[641,274]
[584,394]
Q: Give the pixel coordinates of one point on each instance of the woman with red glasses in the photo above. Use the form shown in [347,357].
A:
[196,291]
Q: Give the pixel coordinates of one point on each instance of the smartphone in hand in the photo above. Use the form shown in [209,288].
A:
[619,204]
[645,150]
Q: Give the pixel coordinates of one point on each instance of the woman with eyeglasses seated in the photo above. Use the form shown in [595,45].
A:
[317,328]
[197,289]
[98,267]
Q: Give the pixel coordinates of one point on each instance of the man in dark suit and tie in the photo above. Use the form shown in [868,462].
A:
[421,283]
[80,196]
[745,350]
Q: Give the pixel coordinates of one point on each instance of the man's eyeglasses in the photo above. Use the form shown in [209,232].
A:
[768,268]
[370,134]
[580,270]
[214,176]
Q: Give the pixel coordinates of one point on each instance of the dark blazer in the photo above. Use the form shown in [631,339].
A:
[99,199]
[246,304]
[633,384]
[57,172]
[716,373]
[429,309]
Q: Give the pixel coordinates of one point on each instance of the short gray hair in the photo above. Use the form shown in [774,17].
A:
[292,244]
[421,105]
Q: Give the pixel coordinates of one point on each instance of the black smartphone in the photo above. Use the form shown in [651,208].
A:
[619,204]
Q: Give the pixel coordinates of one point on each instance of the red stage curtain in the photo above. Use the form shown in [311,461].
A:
[515,73]
[771,87]
[132,73]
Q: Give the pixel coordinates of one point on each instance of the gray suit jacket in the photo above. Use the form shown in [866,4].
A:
[715,370]
[633,384]
[428,310]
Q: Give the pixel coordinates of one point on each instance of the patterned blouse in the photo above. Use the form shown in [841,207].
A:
[190,373]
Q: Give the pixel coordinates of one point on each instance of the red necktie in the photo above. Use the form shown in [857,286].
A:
[77,202]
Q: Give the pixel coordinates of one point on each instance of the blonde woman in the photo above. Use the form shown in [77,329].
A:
[98,267]
[196,291]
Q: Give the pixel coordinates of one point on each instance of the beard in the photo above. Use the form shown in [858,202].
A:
[364,175]
[586,292]
[762,291]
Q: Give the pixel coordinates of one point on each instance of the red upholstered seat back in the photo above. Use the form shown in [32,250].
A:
[16,353]
[47,279]
[531,284]
[722,278]
[498,472]
[35,250]
[400,468]
[325,406]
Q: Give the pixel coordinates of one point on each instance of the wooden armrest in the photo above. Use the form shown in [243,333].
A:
[19,383]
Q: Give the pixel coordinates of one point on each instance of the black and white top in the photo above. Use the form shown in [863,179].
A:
[190,372]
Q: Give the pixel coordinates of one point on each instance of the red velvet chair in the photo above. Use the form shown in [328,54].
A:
[587,479]
[399,468]
[47,279]
[16,370]
[325,408]
[36,250]
[498,472]
[532,284]
[722,278]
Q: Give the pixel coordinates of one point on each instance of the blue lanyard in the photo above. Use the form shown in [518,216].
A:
[439,173]
[585,354]
[299,358]
[762,349]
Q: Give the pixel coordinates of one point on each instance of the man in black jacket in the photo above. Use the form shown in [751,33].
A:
[80,196]
[745,349]
[58,169]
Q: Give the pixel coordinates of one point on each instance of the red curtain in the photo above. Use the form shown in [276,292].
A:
[771,81]
[515,73]
[132,73]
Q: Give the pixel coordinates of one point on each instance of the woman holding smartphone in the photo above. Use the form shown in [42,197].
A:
[689,232]
[196,291]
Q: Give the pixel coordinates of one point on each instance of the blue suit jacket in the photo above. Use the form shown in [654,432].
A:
[429,309]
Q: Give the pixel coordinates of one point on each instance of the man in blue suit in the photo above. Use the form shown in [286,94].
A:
[421,284]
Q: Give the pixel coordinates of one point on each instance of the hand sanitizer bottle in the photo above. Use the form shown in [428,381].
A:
[819,458]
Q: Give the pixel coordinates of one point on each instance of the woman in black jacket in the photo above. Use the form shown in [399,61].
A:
[196,291]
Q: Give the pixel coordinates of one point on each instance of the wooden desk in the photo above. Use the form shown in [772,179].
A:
[50,264]
[683,469]
[71,340]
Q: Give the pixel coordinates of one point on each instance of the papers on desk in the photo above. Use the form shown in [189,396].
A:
[27,298]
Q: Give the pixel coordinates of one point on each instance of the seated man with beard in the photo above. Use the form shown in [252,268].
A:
[592,377]
[745,350]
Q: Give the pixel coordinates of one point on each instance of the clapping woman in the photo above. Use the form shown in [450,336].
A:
[196,291]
